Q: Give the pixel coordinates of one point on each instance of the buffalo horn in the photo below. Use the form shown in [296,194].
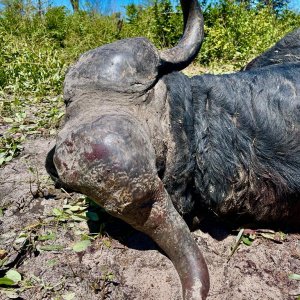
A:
[189,45]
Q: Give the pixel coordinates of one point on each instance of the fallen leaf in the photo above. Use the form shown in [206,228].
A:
[81,245]
[294,276]
[3,253]
[10,294]
[14,275]
[51,247]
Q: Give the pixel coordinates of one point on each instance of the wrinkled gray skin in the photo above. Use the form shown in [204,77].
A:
[128,141]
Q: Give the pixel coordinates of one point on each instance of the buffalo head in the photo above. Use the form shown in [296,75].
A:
[128,144]
[144,141]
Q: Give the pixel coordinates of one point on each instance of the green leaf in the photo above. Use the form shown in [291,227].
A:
[78,217]
[8,158]
[76,208]
[20,240]
[13,275]
[6,281]
[8,120]
[81,245]
[51,247]
[52,132]
[252,236]
[282,235]
[57,212]
[247,241]
[109,276]
[2,262]
[46,237]
[268,236]
[238,237]
[294,276]
[92,216]
[68,212]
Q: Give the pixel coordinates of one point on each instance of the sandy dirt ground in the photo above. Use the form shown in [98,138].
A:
[39,226]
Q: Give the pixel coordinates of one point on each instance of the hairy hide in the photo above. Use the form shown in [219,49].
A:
[247,135]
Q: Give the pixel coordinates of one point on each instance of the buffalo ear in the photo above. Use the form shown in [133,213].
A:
[286,50]
[186,50]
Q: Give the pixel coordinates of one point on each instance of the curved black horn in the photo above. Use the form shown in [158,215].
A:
[188,47]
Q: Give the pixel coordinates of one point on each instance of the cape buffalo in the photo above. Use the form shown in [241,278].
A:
[151,145]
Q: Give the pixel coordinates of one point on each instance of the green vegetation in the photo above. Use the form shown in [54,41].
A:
[36,49]
[236,34]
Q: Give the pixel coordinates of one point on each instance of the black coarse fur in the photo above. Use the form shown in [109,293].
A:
[180,159]
[247,134]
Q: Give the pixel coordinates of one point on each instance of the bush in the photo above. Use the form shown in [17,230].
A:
[234,33]
[36,49]
[161,23]
[56,23]
[27,68]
